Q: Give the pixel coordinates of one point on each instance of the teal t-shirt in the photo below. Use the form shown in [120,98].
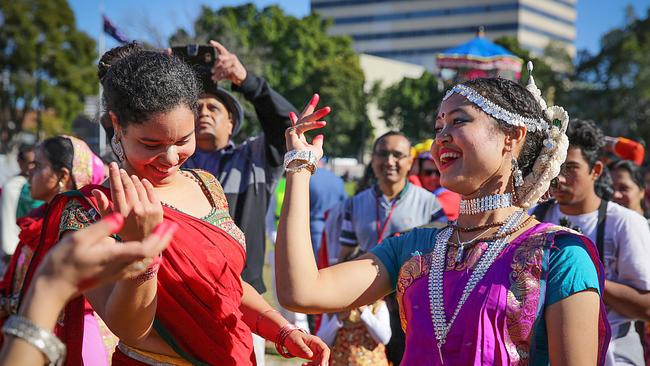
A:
[25,202]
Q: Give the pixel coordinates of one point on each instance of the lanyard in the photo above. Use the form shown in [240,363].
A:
[382,230]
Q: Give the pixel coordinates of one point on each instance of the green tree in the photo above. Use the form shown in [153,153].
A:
[613,86]
[39,40]
[297,58]
[410,105]
[551,70]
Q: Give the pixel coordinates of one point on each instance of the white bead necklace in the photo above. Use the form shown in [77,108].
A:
[436,296]
[487,203]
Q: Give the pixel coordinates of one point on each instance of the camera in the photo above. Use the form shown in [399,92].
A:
[201,57]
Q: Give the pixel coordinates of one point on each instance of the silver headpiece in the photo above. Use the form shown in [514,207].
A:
[511,118]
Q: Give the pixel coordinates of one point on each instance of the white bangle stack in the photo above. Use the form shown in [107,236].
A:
[42,339]
[307,157]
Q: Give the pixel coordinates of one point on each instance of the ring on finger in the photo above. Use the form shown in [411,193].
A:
[291,129]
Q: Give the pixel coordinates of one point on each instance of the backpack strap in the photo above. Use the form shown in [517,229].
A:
[600,230]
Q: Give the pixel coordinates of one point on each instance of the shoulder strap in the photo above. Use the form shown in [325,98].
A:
[542,209]
[600,229]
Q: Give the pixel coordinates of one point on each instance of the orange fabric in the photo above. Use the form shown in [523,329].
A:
[627,149]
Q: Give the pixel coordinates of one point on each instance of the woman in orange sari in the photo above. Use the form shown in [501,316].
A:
[190,306]
[62,163]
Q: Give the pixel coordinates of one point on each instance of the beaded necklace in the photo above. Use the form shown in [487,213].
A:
[440,325]
[484,204]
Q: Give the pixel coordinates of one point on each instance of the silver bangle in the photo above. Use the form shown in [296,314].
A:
[306,156]
[45,341]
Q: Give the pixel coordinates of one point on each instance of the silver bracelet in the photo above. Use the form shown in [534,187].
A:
[45,341]
[301,155]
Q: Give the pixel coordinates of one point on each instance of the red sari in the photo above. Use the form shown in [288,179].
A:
[199,286]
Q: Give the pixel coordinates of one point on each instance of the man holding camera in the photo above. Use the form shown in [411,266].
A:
[248,172]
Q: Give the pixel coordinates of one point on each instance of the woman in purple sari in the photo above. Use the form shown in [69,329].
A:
[495,287]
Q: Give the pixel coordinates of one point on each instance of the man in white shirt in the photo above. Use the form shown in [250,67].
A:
[11,204]
[621,235]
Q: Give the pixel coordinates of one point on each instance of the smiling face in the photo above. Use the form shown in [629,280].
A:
[157,148]
[469,149]
[392,159]
[626,192]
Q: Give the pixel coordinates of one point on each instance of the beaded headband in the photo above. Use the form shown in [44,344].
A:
[511,118]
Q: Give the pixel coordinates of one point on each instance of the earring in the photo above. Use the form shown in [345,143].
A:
[61,187]
[517,176]
[117,148]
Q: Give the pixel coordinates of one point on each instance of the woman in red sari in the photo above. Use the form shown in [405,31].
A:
[190,306]
[63,163]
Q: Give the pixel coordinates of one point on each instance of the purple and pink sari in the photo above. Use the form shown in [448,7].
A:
[502,322]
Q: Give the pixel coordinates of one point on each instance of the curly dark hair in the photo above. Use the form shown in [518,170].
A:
[109,58]
[115,54]
[584,134]
[145,83]
[514,98]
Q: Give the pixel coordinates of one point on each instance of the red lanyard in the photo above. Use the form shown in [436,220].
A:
[382,230]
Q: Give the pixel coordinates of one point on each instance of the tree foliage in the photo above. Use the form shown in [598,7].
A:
[39,39]
[613,86]
[410,105]
[297,58]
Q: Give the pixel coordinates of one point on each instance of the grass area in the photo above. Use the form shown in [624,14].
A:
[350,187]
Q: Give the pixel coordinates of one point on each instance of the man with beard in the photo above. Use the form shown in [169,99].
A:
[621,235]
[390,206]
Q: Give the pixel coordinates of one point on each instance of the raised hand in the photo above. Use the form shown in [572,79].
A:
[227,66]
[307,121]
[134,199]
[89,258]
[309,347]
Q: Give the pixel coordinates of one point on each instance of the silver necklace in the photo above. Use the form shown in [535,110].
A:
[484,204]
[462,245]
[440,325]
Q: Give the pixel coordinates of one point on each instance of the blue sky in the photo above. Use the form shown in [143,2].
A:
[595,17]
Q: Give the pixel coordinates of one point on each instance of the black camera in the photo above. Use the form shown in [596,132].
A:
[201,57]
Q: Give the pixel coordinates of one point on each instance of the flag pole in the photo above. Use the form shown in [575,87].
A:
[102,133]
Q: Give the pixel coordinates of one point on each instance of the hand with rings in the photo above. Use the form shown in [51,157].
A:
[308,120]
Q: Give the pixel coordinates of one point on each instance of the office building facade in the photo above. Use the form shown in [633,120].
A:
[415,30]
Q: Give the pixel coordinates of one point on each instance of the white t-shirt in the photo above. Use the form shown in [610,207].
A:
[626,245]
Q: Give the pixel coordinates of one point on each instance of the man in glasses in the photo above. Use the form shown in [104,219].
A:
[391,206]
[429,177]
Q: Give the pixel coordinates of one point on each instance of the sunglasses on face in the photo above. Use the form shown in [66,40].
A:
[429,172]
[384,154]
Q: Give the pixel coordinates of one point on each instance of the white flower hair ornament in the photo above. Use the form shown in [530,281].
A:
[551,157]
[553,153]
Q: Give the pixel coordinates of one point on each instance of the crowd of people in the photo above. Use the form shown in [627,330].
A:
[515,235]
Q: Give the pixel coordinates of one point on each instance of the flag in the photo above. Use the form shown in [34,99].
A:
[112,31]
